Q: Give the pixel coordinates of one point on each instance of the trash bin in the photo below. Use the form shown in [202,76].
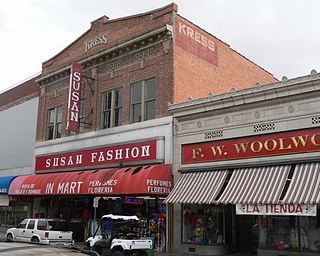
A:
[150,252]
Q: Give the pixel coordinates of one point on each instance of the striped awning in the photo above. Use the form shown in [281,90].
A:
[200,187]
[255,185]
[304,187]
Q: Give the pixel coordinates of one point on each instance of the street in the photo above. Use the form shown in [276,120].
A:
[25,249]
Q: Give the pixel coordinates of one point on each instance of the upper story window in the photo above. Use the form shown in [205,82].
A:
[143,100]
[54,123]
[112,108]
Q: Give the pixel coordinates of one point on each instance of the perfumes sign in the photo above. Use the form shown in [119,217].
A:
[277,209]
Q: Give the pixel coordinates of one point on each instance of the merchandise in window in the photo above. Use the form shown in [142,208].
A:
[143,99]
[203,224]
[112,108]
[292,233]
[54,129]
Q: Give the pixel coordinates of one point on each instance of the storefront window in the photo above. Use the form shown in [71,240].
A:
[297,233]
[203,224]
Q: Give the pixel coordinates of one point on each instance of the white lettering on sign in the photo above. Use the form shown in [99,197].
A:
[159,186]
[64,161]
[69,187]
[276,209]
[94,42]
[74,98]
[98,187]
[196,36]
[141,151]
[119,154]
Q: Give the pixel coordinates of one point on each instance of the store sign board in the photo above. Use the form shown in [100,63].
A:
[196,41]
[285,143]
[132,200]
[73,116]
[277,209]
[99,157]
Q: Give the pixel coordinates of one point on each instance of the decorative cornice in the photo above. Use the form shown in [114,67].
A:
[277,92]
[158,35]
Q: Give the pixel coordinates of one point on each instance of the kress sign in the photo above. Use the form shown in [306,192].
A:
[249,147]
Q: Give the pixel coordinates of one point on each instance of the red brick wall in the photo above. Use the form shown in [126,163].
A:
[196,77]
[180,71]
[116,31]
[158,66]
[17,95]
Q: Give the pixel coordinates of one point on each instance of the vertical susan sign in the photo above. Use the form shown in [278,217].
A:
[74,98]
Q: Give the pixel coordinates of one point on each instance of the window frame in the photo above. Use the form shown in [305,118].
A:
[56,122]
[143,101]
[31,224]
[113,108]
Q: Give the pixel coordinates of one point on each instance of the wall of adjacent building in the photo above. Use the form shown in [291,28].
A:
[18,131]
[200,69]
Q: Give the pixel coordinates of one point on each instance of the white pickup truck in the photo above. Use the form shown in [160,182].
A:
[44,231]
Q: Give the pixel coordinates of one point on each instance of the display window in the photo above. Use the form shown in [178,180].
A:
[203,224]
[296,233]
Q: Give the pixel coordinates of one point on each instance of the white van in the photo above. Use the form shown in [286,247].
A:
[44,231]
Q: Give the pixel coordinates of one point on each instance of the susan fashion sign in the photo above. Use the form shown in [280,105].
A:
[74,98]
[249,147]
[277,209]
[99,157]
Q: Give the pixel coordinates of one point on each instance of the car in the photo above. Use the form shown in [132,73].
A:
[44,231]
[118,235]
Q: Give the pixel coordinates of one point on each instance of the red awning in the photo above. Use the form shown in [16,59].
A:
[147,180]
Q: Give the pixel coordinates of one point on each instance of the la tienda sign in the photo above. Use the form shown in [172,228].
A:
[99,157]
[277,209]
[256,146]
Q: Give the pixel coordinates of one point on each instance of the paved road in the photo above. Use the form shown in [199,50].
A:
[26,249]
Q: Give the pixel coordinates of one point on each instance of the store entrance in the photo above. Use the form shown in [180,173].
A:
[247,234]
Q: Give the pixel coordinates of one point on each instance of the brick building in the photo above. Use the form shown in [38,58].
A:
[132,69]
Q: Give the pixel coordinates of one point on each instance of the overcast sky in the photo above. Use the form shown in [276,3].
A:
[281,36]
